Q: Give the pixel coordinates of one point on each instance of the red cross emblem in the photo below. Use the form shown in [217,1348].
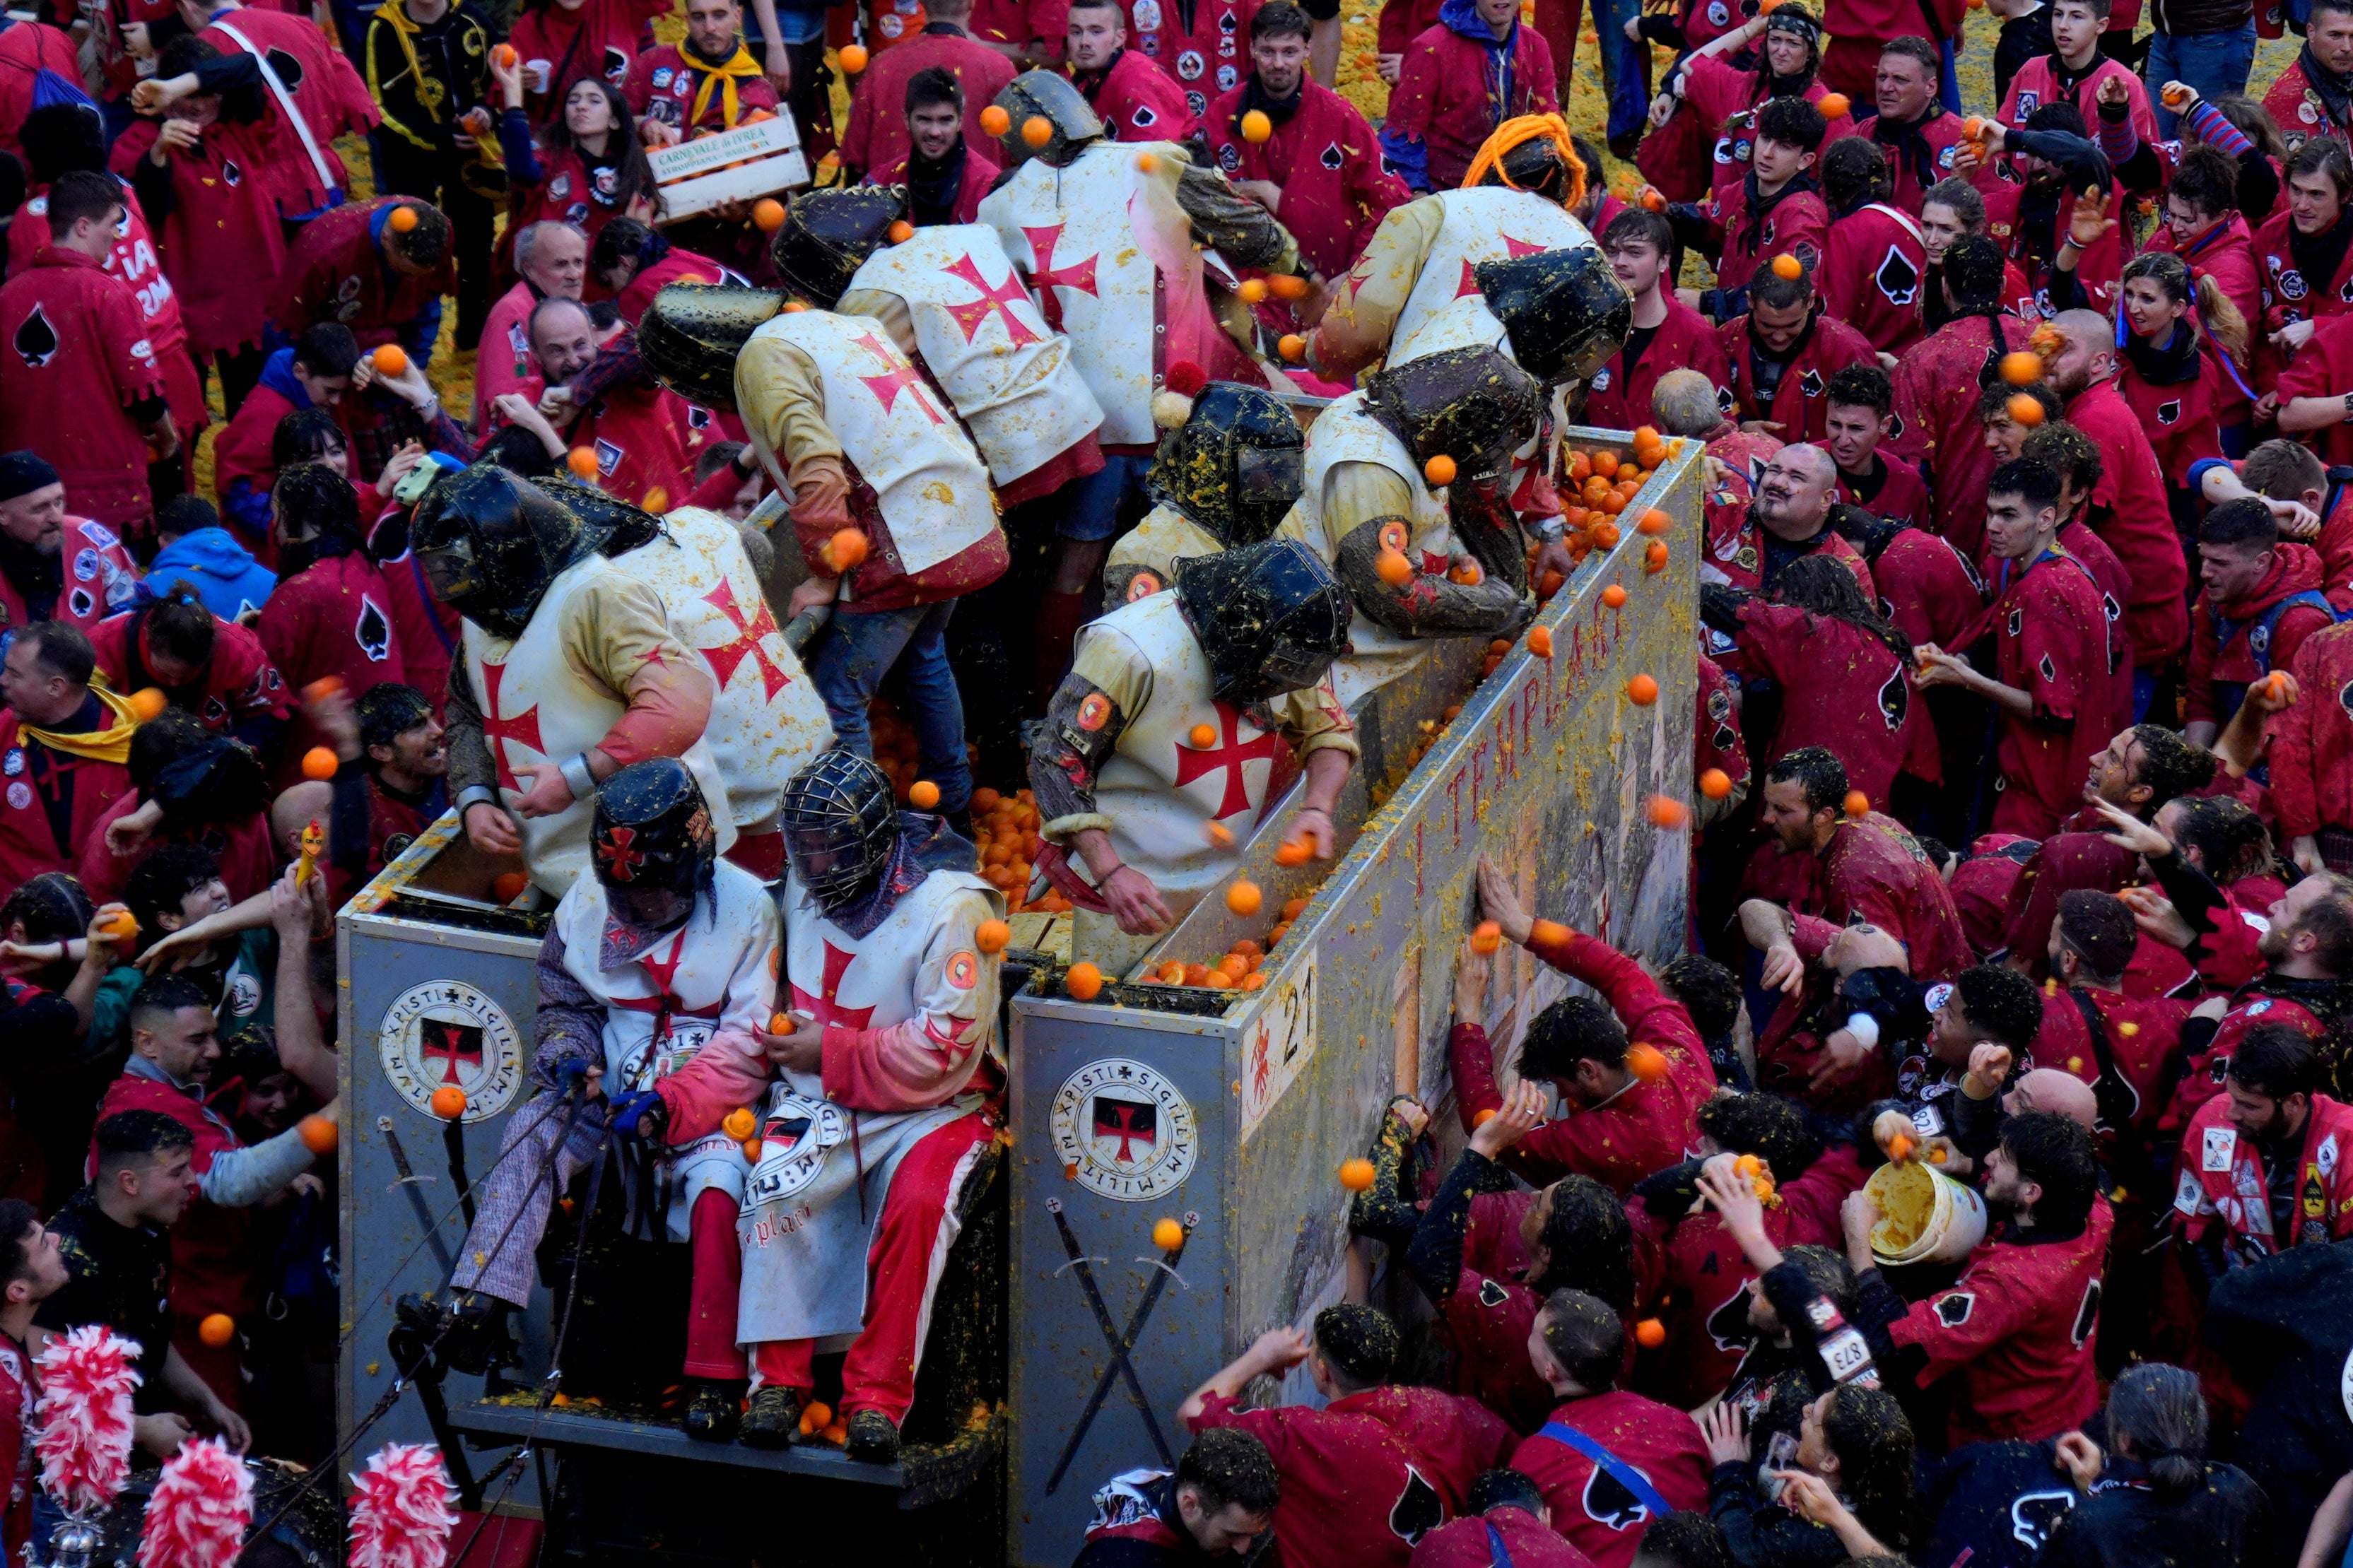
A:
[1046,277]
[900,376]
[450,1042]
[622,862]
[752,631]
[521,729]
[1132,1122]
[664,1004]
[996,302]
[1513,249]
[1228,758]
[824,1008]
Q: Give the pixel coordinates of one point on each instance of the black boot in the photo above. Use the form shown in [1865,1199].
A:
[873,1437]
[775,1419]
[712,1410]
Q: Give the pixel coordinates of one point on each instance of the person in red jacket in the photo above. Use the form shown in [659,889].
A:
[1782,353]
[215,669]
[1859,413]
[1463,77]
[1320,173]
[1874,257]
[1135,101]
[2172,372]
[633,262]
[2128,506]
[1623,1125]
[67,743]
[323,96]
[1363,1479]
[80,384]
[331,614]
[55,566]
[2312,390]
[2294,102]
[1846,869]
[1504,1519]
[2304,257]
[631,423]
[2204,227]
[2073,72]
[945,174]
[31,1271]
[1193,42]
[1941,380]
[408,758]
[1775,209]
[1667,335]
[561,43]
[358,265]
[1786,519]
[1913,128]
[2311,757]
[878,133]
[27,48]
[315,373]
[2261,599]
[1609,1462]
[1219,1501]
[707,81]
[2261,1167]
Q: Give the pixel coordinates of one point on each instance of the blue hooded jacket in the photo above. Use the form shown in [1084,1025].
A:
[229,580]
[1407,156]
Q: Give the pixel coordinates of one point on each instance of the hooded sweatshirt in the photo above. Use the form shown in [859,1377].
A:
[1437,119]
[227,577]
[2224,657]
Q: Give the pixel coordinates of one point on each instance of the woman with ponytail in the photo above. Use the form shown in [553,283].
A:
[2177,363]
[2153,1497]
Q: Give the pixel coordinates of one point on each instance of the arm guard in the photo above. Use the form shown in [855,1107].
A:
[1079,733]
[1241,230]
[1426,606]
[1484,522]
[471,763]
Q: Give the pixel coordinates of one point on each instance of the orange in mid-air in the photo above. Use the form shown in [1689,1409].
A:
[319,763]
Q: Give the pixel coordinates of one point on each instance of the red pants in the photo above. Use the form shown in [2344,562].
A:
[711,1349]
[902,1264]
[1560,21]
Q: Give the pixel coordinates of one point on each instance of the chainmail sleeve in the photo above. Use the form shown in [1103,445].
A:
[1076,737]
[1425,605]
[471,763]
[1241,230]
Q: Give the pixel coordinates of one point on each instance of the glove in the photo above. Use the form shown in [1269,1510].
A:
[640,1115]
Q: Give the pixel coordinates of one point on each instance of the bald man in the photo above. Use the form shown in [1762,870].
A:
[2127,508]
[1787,517]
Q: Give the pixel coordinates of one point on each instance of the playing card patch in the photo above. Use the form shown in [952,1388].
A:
[2167,413]
[1811,383]
[36,342]
[2088,1315]
[1492,1294]
[1953,1311]
[2017,620]
[2048,670]
[1895,700]
[373,631]
[1333,157]
[1897,279]
[1609,1501]
[1418,1509]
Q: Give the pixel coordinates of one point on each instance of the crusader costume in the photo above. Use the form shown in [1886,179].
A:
[665,952]
[564,652]
[860,1165]
[1366,497]
[1239,648]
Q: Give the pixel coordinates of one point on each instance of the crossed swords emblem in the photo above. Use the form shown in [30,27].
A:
[1120,1343]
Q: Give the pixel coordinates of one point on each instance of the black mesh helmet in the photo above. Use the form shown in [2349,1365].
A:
[490,544]
[828,234]
[1471,405]
[1270,618]
[1047,95]
[691,335]
[840,827]
[1535,165]
[1235,465]
[1565,310]
[652,836]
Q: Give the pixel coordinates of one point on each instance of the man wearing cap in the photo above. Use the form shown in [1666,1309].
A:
[65,745]
[54,567]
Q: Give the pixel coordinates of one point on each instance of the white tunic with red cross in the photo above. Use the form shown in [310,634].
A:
[824,1168]
[1486,223]
[664,1004]
[766,720]
[539,707]
[987,345]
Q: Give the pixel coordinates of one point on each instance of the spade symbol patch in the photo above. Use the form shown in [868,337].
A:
[2088,1314]
[231,173]
[2167,413]
[1490,1294]
[373,632]
[1418,1509]
[289,69]
[1953,1311]
[1607,1501]
[36,340]
[1332,156]
[1811,383]
[1897,278]
[1728,1324]
[1895,701]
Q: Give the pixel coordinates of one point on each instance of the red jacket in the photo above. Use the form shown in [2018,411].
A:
[1843,689]
[2289,296]
[327,92]
[1914,166]
[1751,232]
[2225,1181]
[2298,111]
[1715,729]
[1488,1320]
[564,192]
[2034,86]
[1735,551]
[2016,1333]
[603,38]
[1873,870]
[1621,397]
[2226,253]
[237,683]
[34,775]
[1799,403]
[1446,97]
[1726,99]
[1327,161]
[27,49]
[1461,1438]
[1403,21]
[1646,1127]
[248,857]
[335,272]
[213,1265]
[2143,1035]
[1600,1517]
[2312,742]
[223,242]
[426,630]
[2053,640]
[2324,368]
[2129,510]
[78,356]
[2098,270]
[1205,53]
[980,176]
[1139,102]
[2181,417]
[634,429]
[332,618]
[877,135]
[1020,22]
[2224,654]
[664,81]
[675,266]
[1871,273]
[97,577]
[1897,494]
[135,259]
[1503,1533]
[2269,999]
[1937,389]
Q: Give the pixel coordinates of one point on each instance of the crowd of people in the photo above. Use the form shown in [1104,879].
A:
[788,636]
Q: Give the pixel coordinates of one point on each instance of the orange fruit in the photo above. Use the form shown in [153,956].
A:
[401,220]
[1253,981]
[508,886]
[780,1023]
[1834,105]
[1293,908]
[1202,736]
[1484,1117]
[1605,535]
[740,1123]
[853,58]
[1217,980]
[1668,813]
[846,550]
[319,763]
[1274,937]
[1716,783]
[1605,463]
[1219,835]
[1037,131]
[819,1415]
[1082,981]
[216,1330]
[1292,347]
[1256,126]
[1287,287]
[923,795]
[1168,1236]
[1650,1334]
[1487,937]
[1540,641]
[319,1136]
[984,801]
[449,1103]
[1394,568]
[1786,266]
[1747,1166]
[504,57]
[318,690]
[389,360]
[1857,804]
[1243,897]
[1655,522]
[1253,291]
[582,461]
[146,702]
[991,935]
[768,212]
[1438,470]
[1356,1174]
[1233,966]
[1173,972]
[1294,852]
[995,120]
[1899,1147]
[122,926]
[2022,367]
[2175,97]
[2025,410]
[1641,691]
[1196,974]
[1655,559]
[1973,128]
[1147,163]
[1614,596]
[1646,1062]
[902,232]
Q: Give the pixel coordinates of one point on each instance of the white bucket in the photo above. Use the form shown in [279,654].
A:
[1955,1214]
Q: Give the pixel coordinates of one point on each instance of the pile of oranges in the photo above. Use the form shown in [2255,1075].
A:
[1602,484]
[895,750]
[1238,968]
[1005,828]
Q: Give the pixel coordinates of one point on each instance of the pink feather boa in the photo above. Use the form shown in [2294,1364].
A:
[401,1516]
[87,1377]
[202,1503]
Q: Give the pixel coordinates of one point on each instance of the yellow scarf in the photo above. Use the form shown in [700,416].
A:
[742,67]
[112,745]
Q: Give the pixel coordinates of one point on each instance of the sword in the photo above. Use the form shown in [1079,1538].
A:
[408,1183]
[1119,1365]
